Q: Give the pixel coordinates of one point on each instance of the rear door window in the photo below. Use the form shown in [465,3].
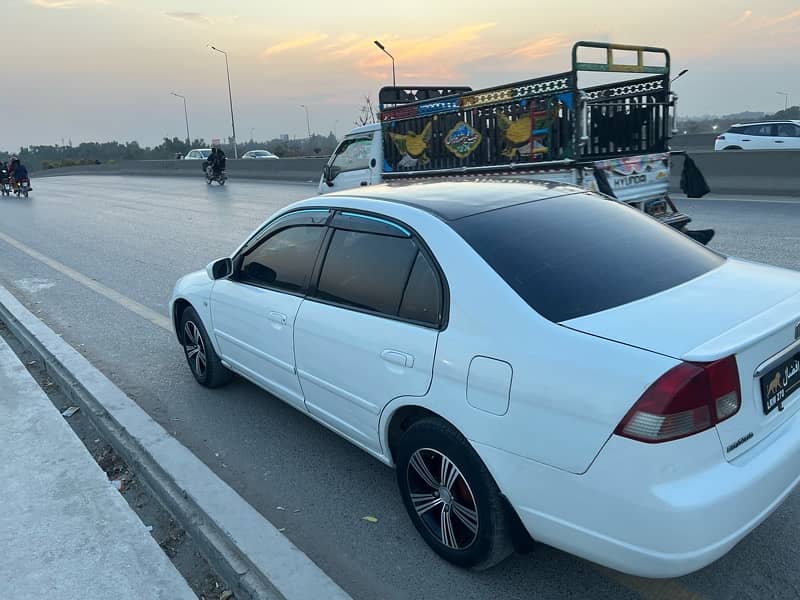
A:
[788,130]
[580,254]
[367,271]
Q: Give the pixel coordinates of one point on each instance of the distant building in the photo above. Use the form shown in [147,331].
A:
[284,137]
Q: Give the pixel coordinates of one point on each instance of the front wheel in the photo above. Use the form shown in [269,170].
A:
[203,361]
[450,496]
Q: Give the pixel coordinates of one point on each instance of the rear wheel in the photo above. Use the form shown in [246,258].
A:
[732,148]
[203,361]
[450,496]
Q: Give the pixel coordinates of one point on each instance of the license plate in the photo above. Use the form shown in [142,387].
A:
[779,383]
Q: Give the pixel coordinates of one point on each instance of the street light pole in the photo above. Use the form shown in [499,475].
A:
[230,98]
[308,123]
[186,116]
[679,75]
[785,99]
[385,51]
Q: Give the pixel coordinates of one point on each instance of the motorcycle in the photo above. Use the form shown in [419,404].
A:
[22,187]
[5,183]
[219,176]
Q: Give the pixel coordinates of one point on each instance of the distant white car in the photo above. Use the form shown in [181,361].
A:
[259,154]
[529,356]
[766,135]
[198,154]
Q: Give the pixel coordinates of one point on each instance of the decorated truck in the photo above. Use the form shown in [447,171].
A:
[611,137]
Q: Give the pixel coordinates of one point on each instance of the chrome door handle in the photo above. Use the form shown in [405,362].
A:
[277,317]
[398,358]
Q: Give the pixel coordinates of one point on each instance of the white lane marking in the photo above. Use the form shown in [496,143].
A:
[113,295]
[34,284]
[759,200]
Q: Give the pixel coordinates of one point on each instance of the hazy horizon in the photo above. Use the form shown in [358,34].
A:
[99,70]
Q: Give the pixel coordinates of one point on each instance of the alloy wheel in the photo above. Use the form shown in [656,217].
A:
[195,348]
[442,498]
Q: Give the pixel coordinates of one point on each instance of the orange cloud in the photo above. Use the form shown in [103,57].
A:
[300,42]
[53,3]
[546,46]
[783,19]
[191,17]
[433,57]
[745,16]
[64,3]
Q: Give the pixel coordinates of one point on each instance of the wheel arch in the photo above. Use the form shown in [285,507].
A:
[179,306]
[400,419]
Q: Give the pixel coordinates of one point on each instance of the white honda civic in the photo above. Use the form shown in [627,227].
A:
[534,360]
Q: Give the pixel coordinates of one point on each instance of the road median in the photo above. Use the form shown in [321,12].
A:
[249,552]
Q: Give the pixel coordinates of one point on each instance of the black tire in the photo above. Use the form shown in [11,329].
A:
[732,148]
[196,345]
[478,537]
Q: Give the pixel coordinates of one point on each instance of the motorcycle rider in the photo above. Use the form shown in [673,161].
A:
[217,161]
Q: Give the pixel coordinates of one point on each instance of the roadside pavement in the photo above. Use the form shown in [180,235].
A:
[65,531]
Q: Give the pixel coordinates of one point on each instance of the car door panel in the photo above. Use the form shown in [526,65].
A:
[349,364]
[254,328]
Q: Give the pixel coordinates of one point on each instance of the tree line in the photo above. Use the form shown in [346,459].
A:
[46,157]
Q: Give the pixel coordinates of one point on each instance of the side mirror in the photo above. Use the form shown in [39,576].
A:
[220,268]
[326,174]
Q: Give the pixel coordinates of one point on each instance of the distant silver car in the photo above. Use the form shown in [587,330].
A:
[198,154]
[259,154]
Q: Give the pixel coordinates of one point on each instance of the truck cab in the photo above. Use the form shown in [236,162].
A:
[357,161]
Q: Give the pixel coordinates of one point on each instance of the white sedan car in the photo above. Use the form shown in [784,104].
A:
[259,155]
[198,154]
[532,358]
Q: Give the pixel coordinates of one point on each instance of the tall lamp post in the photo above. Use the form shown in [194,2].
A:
[186,116]
[679,75]
[230,98]
[385,51]
[308,123]
[785,99]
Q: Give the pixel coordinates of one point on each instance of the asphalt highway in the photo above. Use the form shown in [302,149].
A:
[96,258]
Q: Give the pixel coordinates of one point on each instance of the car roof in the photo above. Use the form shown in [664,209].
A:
[459,198]
[365,128]
[794,121]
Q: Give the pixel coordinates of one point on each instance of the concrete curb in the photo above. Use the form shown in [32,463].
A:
[249,552]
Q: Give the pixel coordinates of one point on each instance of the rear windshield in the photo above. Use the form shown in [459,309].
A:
[575,255]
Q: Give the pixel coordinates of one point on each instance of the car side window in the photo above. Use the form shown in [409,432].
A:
[422,299]
[192,154]
[788,130]
[762,130]
[284,260]
[367,270]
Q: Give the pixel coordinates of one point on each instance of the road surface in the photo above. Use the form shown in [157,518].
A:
[96,258]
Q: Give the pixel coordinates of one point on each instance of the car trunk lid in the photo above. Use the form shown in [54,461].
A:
[740,309]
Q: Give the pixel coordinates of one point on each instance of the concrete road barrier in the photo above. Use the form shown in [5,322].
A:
[768,172]
[285,169]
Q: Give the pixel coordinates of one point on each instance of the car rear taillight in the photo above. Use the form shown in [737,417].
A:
[687,399]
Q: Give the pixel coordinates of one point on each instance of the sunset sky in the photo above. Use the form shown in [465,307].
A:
[104,69]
